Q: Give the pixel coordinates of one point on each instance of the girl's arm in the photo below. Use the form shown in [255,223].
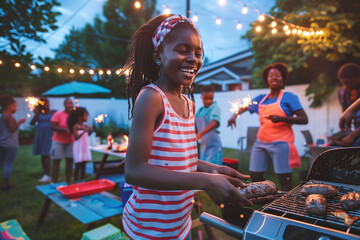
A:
[348,115]
[75,132]
[36,115]
[232,120]
[212,124]
[139,173]
[300,118]
[13,125]
[55,127]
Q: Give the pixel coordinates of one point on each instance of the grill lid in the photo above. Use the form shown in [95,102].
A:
[340,165]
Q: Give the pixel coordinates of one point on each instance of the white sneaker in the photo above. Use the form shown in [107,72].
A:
[45,179]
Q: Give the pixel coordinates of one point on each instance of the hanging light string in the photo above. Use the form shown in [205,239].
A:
[287,27]
[60,70]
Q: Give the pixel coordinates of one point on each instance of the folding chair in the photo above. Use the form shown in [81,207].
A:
[250,140]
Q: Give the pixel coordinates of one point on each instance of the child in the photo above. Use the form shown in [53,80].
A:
[9,142]
[207,121]
[81,151]
[161,159]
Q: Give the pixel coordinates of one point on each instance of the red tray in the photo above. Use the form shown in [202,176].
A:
[86,188]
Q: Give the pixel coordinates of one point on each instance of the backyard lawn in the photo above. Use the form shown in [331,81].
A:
[24,202]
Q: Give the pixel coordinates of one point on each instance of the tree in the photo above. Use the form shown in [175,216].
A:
[24,20]
[314,59]
[103,44]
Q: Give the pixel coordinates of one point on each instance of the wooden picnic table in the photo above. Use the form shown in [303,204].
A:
[87,209]
[103,149]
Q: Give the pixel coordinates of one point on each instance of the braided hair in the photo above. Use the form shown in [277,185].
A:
[74,117]
[140,65]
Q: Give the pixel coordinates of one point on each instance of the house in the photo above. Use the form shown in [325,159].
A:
[227,74]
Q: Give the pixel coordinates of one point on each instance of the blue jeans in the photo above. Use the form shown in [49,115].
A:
[7,158]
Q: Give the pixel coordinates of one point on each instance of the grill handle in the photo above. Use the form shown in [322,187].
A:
[222,225]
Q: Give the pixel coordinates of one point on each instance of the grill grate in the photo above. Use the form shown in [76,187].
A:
[292,205]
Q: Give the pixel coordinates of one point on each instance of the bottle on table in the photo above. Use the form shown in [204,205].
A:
[110,141]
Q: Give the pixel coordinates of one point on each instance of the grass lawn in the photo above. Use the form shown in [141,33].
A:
[24,202]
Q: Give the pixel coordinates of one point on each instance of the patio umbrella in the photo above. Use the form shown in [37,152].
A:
[76,87]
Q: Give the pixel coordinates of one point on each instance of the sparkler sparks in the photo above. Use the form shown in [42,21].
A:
[100,118]
[237,104]
[32,102]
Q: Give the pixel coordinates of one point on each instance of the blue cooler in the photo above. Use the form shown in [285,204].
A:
[125,192]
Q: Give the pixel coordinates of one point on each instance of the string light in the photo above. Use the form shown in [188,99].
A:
[117,72]
[91,72]
[287,32]
[218,21]
[274,30]
[33,67]
[294,31]
[261,17]
[46,68]
[273,24]
[137,4]
[101,72]
[167,11]
[17,65]
[258,29]
[1,62]
[108,72]
[195,18]
[286,27]
[222,2]
[82,71]
[244,10]
[72,70]
[238,26]
[59,70]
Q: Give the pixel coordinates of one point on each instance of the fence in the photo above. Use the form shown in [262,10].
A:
[322,120]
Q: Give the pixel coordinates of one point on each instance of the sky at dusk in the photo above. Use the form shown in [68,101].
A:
[219,40]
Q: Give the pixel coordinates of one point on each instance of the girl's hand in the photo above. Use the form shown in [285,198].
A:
[232,175]
[22,120]
[222,192]
[347,140]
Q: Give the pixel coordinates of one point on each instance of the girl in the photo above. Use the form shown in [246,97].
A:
[278,111]
[9,142]
[161,160]
[81,131]
[43,135]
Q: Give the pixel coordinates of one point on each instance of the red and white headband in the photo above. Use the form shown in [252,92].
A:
[165,27]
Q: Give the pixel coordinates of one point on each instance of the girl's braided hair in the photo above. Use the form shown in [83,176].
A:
[140,65]
[74,117]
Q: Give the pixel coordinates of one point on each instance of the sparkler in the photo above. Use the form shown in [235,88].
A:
[237,104]
[100,118]
[32,102]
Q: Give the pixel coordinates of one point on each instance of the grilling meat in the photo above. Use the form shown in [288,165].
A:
[350,201]
[348,219]
[316,204]
[317,188]
[259,189]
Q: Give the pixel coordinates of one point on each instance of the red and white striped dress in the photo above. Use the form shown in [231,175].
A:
[159,214]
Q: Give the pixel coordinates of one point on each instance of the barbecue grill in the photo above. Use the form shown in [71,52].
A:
[286,216]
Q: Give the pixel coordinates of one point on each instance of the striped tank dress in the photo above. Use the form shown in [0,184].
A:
[159,214]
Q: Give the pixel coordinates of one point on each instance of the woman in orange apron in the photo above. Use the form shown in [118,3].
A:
[277,111]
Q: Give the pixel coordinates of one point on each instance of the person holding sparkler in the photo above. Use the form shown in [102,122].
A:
[9,141]
[207,121]
[63,139]
[161,158]
[277,110]
[43,135]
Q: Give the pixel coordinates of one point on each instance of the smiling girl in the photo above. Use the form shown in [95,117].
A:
[161,160]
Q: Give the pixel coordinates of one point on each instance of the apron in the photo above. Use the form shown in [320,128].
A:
[281,131]
[210,148]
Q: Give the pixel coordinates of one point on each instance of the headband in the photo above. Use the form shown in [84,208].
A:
[165,28]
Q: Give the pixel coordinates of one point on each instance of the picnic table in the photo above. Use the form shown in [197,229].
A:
[103,149]
[87,209]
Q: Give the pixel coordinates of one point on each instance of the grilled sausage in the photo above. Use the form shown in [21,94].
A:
[350,201]
[259,189]
[316,204]
[323,189]
[348,219]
